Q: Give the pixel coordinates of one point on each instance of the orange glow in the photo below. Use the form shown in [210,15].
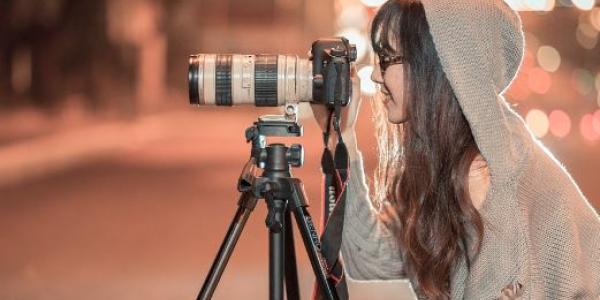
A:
[112,186]
[519,90]
[587,128]
[596,121]
[539,81]
[560,123]
[528,60]
[595,18]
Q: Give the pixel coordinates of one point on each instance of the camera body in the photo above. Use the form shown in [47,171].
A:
[331,60]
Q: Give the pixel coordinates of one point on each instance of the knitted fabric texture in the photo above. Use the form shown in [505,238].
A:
[541,235]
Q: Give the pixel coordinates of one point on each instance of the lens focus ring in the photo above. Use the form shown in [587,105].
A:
[223,80]
[265,80]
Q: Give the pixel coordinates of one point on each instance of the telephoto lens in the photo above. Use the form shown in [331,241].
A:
[260,80]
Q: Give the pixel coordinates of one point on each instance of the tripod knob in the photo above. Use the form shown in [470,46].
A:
[295,155]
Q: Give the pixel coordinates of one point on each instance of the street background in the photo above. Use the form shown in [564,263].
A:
[113,187]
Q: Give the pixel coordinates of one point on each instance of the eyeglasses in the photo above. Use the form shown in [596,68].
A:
[385,61]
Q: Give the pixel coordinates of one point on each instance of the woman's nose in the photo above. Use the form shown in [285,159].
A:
[376,75]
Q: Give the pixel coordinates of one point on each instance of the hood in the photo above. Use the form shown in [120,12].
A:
[481,47]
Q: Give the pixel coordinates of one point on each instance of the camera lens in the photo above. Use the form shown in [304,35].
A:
[260,80]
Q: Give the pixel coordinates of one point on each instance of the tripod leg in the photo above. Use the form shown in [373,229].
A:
[291,272]
[276,224]
[310,236]
[246,204]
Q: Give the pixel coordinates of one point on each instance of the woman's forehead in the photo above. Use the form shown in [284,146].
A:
[387,41]
[386,31]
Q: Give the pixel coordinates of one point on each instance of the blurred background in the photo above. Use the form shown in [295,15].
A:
[113,187]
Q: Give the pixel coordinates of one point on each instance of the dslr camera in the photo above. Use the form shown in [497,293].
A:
[274,80]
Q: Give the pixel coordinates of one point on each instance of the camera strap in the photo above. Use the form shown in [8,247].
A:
[335,179]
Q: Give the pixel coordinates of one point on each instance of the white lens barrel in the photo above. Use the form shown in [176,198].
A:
[261,80]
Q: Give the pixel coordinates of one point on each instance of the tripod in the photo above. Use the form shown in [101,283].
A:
[284,195]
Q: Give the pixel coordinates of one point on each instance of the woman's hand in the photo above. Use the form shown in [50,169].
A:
[349,113]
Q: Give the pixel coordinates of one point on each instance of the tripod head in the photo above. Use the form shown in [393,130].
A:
[280,126]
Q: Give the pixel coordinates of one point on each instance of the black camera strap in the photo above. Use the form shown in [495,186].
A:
[335,179]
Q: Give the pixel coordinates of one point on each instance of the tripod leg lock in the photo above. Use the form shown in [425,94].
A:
[274,220]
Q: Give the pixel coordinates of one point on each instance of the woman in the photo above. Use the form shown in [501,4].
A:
[468,203]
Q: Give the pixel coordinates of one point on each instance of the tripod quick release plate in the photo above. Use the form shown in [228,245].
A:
[274,125]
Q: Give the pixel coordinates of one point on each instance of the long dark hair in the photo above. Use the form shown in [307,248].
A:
[424,162]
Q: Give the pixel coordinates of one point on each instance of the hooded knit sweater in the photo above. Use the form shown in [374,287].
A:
[541,235]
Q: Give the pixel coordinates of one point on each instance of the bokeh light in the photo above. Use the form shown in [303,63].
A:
[539,81]
[560,123]
[584,4]
[355,37]
[373,3]
[353,15]
[587,28]
[543,5]
[528,5]
[367,86]
[583,81]
[515,4]
[537,122]
[548,58]
[598,88]
[587,128]
[595,18]
[596,121]
[586,35]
